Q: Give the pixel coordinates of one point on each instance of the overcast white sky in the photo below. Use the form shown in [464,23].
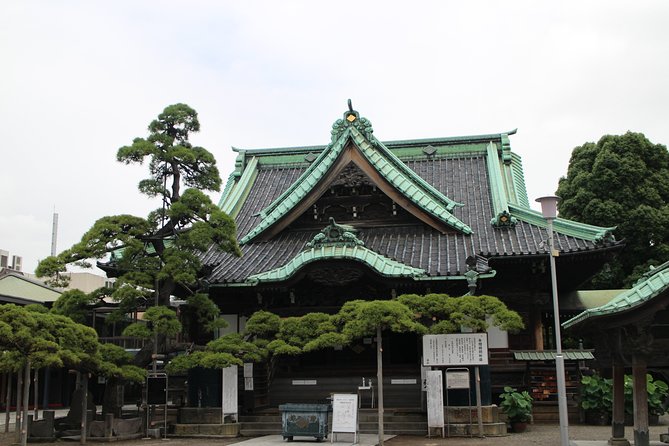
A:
[79,79]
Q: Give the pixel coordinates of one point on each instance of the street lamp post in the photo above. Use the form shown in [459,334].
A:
[549,212]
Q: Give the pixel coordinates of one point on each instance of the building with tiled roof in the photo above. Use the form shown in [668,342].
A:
[361,218]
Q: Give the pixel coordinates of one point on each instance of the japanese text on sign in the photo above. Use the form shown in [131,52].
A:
[455,349]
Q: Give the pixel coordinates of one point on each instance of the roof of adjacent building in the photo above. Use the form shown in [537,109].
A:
[653,284]
[18,289]
[467,193]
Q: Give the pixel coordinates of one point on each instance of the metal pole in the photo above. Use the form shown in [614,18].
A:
[559,359]
[379,378]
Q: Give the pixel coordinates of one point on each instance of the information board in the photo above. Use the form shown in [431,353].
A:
[457,380]
[344,413]
[455,349]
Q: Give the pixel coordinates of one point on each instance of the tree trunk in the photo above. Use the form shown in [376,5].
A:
[19,387]
[84,406]
[379,379]
[36,393]
[110,402]
[26,398]
[8,401]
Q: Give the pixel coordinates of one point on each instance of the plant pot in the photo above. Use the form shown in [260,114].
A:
[597,418]
[518,426]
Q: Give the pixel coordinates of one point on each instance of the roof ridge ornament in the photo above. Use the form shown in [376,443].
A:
[335,234]
[351,119]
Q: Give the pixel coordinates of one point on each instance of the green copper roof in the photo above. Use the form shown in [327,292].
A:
[395,172]
[238,193]
[569,355]
[653,284]
[383,265]
[562,226]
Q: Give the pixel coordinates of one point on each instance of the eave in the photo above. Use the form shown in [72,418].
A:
[656,283]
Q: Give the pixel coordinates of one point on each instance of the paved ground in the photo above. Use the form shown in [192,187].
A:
[538,434]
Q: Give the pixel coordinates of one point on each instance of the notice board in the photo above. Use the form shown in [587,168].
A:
[455,349]
[344,413]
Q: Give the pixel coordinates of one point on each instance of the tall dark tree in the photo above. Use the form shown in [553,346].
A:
[623,181]
[159,256]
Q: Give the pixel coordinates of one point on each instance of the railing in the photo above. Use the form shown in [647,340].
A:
[126,342]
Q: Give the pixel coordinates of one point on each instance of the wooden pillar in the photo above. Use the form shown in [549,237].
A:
[640,399]
[538,329]
[618,419]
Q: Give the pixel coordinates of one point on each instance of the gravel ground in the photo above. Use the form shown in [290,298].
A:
[537,434]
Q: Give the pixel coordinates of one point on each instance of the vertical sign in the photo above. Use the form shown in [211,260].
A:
[435,400]
[229,394]
[455,349]
[248,376]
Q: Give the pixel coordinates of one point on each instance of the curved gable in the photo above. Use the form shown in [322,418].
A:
[352,142]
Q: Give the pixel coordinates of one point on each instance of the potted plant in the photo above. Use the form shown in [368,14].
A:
[597,399]
[517,406]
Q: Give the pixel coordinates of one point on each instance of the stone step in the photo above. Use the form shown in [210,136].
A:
[207,430]
[466,430]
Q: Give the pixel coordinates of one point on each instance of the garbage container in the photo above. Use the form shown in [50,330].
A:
[304,420]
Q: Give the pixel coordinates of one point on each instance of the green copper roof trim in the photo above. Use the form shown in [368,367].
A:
[382,265]
[377,160]
[389,144]
[402,178]
[651,285]
[518,176]
[500,204]
[567,227]
[240,191]
[398,174]
[299,189]
[228,188]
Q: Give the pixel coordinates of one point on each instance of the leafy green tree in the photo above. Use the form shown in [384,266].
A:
[433,313]
[159,256]
[33,338]
[623,181]
[444,314]
[74,304]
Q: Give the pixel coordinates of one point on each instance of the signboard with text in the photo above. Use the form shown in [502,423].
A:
[455,349]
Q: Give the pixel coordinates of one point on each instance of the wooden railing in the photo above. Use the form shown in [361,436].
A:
[127,342]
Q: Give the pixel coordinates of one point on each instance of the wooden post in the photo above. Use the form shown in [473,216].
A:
[640,399]
[618,419]
[538,330]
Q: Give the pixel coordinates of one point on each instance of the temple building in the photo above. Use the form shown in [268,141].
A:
[359,218]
